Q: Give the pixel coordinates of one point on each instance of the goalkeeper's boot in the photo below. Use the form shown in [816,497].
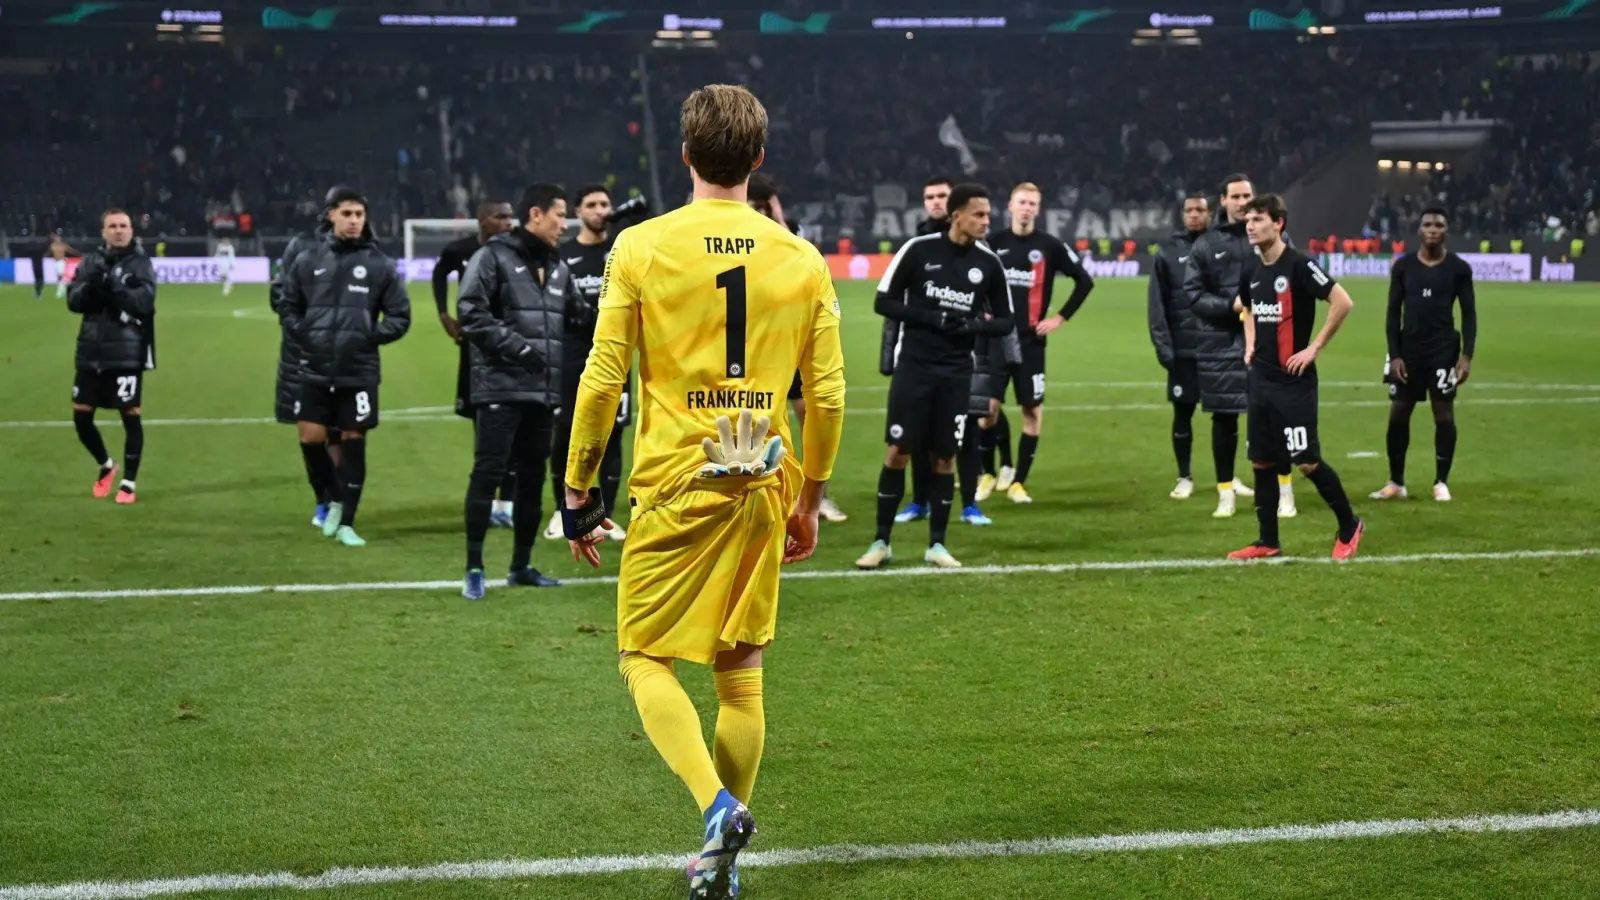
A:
[986,483]
[1286,507]
[320,516]
[528,576]
[348,537]
[972,515]
[912,513]
[1390,491]
[939,557]
[729,827]
[104,481]
[1018,493]
[876,557]
[331,519]
[475,586]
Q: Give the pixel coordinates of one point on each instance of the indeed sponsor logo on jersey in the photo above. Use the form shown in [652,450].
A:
[1019,277]
[589,284]
[950,297]
[1267,312]
[722,398]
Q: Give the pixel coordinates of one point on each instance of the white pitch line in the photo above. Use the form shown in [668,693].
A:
[1374,384]
[419,415]
[1128,565]
[836,854]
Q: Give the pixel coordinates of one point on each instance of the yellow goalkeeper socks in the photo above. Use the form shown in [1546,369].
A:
[741,730]
[672,724]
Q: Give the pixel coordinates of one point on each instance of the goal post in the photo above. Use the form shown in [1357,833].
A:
[425,240]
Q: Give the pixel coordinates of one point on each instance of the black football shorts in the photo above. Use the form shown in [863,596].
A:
[1027,379]
[344,408]
[108,390]
[1283,421]
[1183,382]
[927,411]
[1433,375]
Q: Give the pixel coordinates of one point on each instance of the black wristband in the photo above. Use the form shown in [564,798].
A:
[581,522]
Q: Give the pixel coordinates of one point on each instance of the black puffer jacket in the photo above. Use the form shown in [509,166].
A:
[1174,330]
[513,323]
[291,375]
[115,292]
[342,300]
[1217,263]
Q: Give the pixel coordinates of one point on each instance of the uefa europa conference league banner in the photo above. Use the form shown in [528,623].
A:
[845,267]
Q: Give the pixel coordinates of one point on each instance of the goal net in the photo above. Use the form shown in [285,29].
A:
[425,240]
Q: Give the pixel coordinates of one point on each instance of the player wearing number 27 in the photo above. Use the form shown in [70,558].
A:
[723,306]
[1278,296]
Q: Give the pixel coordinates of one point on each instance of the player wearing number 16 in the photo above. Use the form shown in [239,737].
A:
[342,299]
[1278,296]
[114,290]
[723,306]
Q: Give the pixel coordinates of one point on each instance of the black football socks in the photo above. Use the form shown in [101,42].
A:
[1399,441]
[1267,505]
[986,448]
[919,479]
[133,445]
[1027,446]
[1002,439]
[1444,446]
[1332,491]
[1183,436]
[968,463]
[941,494]
[320,472]
[1224,445]
[352,478]
[891,490]
[89,437]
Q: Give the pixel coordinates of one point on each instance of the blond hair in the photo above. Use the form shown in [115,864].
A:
[1028,186]
[724,130]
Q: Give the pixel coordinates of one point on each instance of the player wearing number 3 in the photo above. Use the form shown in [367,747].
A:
[1279,296]
[723,306]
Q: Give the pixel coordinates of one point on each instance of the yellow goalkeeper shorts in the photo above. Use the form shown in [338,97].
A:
[700,571]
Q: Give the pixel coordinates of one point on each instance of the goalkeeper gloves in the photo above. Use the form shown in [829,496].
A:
[746,452]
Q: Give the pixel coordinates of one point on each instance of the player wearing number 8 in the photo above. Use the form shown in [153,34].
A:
[723,306]
[1279,296]
[342,300]
[114,290]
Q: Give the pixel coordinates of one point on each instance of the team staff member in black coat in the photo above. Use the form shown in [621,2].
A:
[114,290]
[1175,332]
[291,376]
[585,257]
[1211,282]
[516,303]
[493,218]
[342,299]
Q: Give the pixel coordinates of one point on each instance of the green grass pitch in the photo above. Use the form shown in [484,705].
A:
[166,736]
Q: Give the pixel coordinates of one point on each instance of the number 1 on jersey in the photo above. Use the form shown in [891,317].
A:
[732,281]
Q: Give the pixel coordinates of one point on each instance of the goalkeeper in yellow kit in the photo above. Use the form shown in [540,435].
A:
[723,306]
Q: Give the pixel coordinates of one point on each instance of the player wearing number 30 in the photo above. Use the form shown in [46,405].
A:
[341,301]
[723,306]
[1278,296]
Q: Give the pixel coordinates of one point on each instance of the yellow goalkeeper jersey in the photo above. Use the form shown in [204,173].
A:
[723,306]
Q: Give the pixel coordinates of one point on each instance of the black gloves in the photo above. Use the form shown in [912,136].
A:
[530,360]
